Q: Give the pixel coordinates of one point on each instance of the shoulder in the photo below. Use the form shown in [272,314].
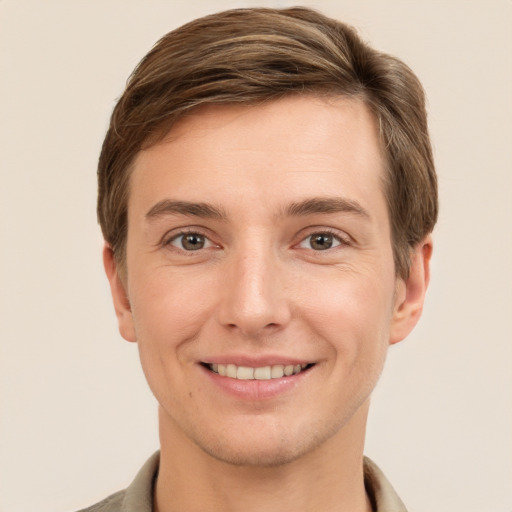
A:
[137,497]
[381,493]
[112,503]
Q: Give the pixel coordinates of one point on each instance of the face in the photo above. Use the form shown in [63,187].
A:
[260,282]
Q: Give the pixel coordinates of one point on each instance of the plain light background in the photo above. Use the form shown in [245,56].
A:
[76,417]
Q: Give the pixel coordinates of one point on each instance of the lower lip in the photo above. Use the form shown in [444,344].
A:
[255,390]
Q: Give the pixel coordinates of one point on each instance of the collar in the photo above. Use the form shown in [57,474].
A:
[138,496]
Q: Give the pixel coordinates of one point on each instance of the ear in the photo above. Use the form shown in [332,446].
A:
[119,296]
[410,293]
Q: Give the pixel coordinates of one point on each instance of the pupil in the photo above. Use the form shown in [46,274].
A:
[193,242]
[321,242]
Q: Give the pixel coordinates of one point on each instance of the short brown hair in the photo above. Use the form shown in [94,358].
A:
[251,56]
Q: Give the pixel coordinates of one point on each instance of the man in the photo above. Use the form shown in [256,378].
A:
[267,195]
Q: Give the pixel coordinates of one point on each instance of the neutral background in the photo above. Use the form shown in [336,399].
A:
[76,417]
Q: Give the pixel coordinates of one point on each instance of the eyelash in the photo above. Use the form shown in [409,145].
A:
[341,240]
[167,240]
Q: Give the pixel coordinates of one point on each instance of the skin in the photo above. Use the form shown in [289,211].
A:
[281,182]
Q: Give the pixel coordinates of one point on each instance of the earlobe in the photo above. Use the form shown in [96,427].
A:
[119,296]
[410,295]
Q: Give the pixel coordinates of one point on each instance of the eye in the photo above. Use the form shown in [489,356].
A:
[320,241]
[190,241]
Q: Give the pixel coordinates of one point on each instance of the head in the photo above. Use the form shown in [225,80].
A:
[254,56]
[266,192]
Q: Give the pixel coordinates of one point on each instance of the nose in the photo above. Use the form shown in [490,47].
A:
[254,300]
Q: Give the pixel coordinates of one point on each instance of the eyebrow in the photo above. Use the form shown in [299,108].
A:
[303,208]
[325,205]
[171,207]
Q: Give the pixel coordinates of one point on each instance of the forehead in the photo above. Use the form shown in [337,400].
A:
[293,147]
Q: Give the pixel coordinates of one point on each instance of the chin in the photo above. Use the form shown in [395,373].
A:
[255,456]
[264,447]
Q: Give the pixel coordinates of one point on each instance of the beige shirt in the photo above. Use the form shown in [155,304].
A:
[138,497]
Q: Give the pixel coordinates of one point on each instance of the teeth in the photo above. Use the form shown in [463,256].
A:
[288,370]
[276,371]
[231,371]
[263,373]
[245,373]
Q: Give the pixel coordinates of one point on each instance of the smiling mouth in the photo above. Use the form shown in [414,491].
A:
[277,371]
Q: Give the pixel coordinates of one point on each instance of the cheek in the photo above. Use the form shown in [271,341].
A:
[168,313]
[350,310]
[349,320]
[169,306]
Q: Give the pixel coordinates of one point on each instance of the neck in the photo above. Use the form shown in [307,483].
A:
[329,478]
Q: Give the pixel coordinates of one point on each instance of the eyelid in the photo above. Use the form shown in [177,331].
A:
[176,233]
[208,243]
[342,237]
[315,230]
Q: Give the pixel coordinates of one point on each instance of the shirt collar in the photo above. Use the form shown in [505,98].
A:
[139,495]
[382,495]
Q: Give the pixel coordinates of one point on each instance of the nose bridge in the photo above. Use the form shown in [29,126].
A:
[254,299]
